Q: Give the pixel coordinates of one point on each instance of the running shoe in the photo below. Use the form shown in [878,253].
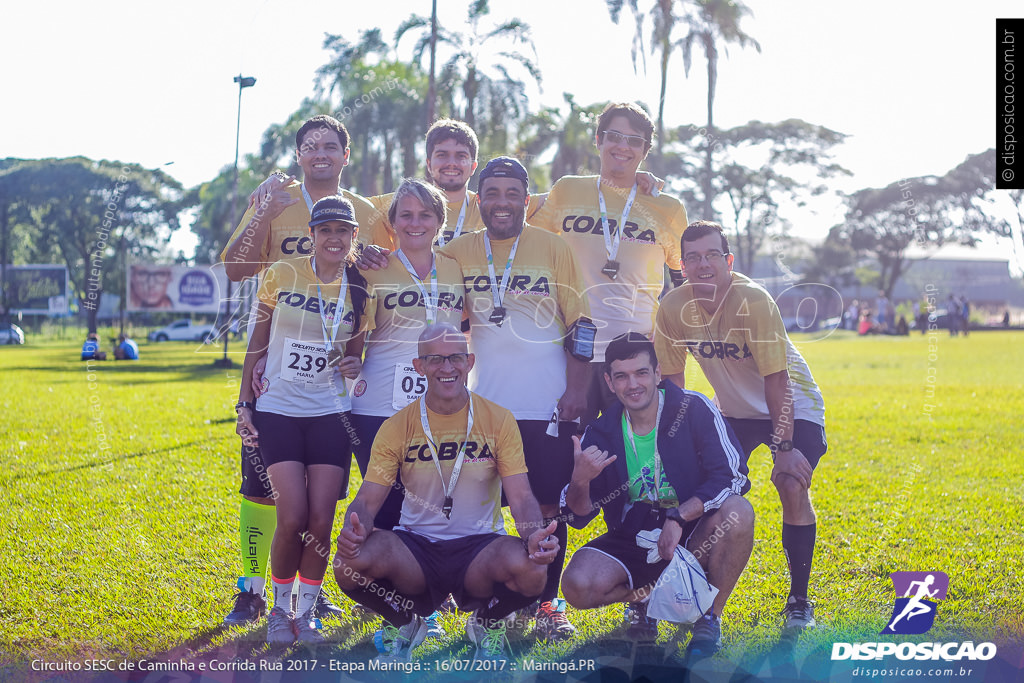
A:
[280,627]
[396,643]
[307,629]
[707,636]
[552,623]
[434,628]
[641,626]
[248,607]
[799,613]
[324,608]
[491,643]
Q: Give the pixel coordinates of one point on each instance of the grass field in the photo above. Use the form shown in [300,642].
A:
[120,520]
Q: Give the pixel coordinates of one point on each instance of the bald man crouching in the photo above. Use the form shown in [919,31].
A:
[456,452]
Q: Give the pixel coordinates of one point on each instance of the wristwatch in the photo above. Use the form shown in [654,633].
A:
[244,404]
[783,446]
[673,514]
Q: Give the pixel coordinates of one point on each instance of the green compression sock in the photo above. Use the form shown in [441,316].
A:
[256,525]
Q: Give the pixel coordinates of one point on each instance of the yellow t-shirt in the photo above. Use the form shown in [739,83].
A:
[739,345]
[521,363]
[288,236]
[494,450]
[383,231]
[650,238]
[297,381]
[388,382]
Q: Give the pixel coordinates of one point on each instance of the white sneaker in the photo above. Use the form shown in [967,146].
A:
[280,627]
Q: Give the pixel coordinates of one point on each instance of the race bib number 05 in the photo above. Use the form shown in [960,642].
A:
[409,385]
[304,362]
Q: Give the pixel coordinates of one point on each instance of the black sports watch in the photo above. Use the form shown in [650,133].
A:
[673,514]
[244,404]
[783,446]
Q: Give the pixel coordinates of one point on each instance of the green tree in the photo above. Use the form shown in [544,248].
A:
[87,214]
[663,23]
[783,164]
[381,102]
[483,78]
[710,24]
[928,211]
[216,218]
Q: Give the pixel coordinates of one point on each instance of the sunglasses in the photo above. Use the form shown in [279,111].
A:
[614,137]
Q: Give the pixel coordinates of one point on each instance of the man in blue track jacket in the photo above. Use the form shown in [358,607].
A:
[661,458]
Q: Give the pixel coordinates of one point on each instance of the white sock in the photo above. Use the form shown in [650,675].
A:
[255,584]
[283,592]
[308,592]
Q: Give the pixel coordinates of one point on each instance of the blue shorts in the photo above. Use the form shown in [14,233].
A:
[808,437]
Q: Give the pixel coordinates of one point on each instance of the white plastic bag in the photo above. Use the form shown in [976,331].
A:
[682,593]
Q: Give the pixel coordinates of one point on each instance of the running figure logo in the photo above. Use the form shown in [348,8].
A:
[914,612]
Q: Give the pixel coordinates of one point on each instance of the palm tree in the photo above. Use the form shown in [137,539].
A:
[712,23]
[477,67]
[380,101]
[663,21]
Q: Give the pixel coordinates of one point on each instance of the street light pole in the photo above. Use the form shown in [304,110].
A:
[243,82]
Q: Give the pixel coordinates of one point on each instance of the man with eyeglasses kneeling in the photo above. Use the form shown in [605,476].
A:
[733,328]
[457,452]
[659,458]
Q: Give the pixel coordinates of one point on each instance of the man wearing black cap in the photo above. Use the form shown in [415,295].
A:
[531,331]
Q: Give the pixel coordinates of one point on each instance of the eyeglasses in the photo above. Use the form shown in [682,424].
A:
[436,360]
[614,137]
[712,257]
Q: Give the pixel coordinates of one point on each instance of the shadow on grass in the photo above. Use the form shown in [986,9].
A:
[103,462]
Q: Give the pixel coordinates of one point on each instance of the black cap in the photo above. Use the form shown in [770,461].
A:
[505,167]
[333,208]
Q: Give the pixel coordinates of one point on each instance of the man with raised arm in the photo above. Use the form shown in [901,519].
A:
[659,458]
[276,229]
[456,452]
[622,237]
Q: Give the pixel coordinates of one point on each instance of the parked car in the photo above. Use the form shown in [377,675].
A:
[182,330]
[11,334]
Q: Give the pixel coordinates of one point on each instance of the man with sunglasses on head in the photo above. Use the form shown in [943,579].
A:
[762,384]
[621,236]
